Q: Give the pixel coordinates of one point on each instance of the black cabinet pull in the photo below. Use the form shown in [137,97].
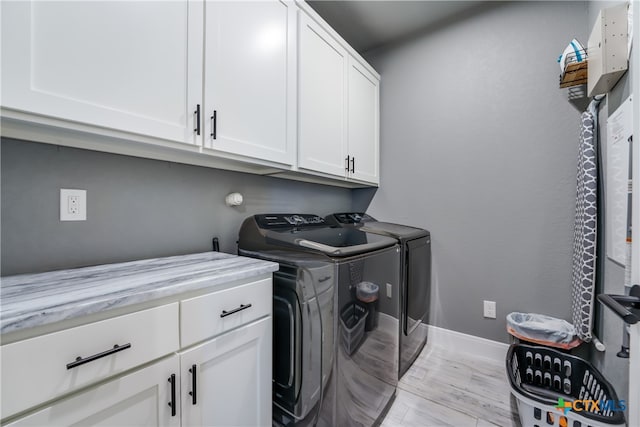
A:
[172,404]
[235,310]
[80,361]
[214,124]
[192,393]
[347,167]
[197,113]
[353,164]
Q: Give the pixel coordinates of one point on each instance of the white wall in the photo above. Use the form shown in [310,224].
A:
[479,146]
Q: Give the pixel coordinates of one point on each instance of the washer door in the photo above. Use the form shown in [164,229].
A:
[302,343]
[287,342]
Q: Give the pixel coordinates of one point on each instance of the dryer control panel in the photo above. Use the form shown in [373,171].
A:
[352,217]
[270,221]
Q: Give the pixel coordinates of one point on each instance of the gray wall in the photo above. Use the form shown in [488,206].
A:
[137,208]
[479,146]
[608,325]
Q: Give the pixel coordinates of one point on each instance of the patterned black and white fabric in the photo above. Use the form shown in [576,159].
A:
[585,232]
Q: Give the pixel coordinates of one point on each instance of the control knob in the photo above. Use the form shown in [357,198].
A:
[315,220]
[295,220]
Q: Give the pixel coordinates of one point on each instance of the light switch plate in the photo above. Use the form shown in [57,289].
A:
[73,205]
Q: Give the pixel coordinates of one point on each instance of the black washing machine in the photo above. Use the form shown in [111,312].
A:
[330,366]
[415,264]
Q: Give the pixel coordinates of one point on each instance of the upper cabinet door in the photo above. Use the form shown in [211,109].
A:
[250,78]
[122,65]
[322,99]
[363,113]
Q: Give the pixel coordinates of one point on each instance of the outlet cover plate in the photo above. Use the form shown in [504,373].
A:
[490,309]
[73,205]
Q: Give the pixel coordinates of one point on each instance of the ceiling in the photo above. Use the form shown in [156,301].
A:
[369,24]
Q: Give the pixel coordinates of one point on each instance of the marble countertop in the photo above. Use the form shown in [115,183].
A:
[29,300]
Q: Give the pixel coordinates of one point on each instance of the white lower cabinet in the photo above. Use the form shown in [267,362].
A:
[227,381]
[50,366]
[141,398]
[220,374]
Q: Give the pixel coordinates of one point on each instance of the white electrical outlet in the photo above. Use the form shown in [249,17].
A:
[490,309]
[389,290]
[73,205]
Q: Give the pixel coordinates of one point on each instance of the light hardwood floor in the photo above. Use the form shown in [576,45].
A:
[449,388]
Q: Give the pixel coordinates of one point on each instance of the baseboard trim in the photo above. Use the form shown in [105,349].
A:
[479,347]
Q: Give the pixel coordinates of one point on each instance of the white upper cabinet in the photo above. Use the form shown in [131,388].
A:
[363,124]
[262,86]
[126,66]
[338,115]
[322,142]
[249,81]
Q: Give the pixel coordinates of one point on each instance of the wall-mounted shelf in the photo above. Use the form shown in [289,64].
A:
[575,74]
[575,78]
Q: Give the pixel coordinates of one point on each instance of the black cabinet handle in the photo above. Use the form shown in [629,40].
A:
[197,113]
[214,124]
[172,404]
[80,361]
[347,167]
[192,393]
[353,164]
[235,310]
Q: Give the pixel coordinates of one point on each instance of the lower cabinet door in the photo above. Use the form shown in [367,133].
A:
[141,398]
[227,381]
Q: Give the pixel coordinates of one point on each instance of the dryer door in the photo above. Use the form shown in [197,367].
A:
[418,283]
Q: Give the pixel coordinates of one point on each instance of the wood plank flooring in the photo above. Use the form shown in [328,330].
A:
[450,388]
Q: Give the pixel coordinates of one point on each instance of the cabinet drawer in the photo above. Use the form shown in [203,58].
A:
[38,369]
[208,315]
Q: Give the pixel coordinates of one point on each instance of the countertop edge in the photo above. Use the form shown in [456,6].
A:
[106,302]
